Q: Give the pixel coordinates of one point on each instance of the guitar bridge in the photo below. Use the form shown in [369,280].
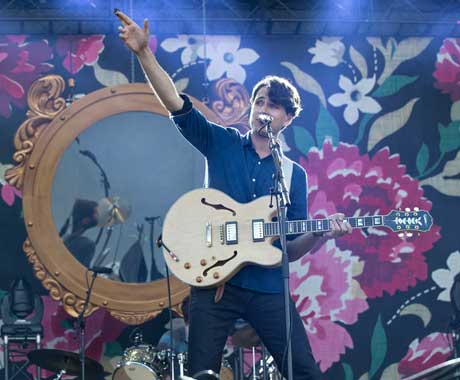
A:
[208,235]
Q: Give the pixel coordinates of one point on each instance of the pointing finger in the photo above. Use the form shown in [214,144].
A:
[125,20]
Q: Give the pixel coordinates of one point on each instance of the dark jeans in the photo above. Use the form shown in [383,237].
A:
[211,323]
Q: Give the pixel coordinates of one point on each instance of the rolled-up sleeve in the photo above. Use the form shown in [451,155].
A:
[200,132]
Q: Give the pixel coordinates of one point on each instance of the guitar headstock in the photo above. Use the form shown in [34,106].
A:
[408,220]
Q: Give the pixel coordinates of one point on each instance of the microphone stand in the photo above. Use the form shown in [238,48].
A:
[154,272]
[283,201]
[104,180]
[81,323]
[160,244]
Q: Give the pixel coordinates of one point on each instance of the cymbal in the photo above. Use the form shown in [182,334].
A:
[245,337]
[112,210]
[57,360]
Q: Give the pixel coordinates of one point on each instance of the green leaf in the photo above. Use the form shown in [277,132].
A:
[450,137]
[362,127]
[112,349]
[306,82]
[303,139]
[391,372]
[326,126]
[348,371]
[359,61]
[447,181]
[422,159]
[378,347]
[393,84]
[418,310]
[389,123]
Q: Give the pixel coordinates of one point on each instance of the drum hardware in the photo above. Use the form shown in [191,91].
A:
[181,358]
[61,373]
[139,362]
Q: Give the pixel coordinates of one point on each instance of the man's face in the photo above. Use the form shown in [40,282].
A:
[263,105]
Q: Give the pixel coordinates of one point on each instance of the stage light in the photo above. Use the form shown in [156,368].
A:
[22,312]
[20,305]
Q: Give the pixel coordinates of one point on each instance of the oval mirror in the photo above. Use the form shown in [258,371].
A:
[97,179]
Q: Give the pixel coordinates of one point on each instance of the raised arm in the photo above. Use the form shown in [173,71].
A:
[137,40]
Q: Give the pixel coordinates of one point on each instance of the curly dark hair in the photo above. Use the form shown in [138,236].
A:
[281,92]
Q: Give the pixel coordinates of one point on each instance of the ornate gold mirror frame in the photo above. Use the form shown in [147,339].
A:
[40,142]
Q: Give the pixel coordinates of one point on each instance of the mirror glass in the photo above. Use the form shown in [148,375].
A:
[124,173]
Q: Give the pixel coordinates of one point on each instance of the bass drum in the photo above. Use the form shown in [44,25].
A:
[138,363]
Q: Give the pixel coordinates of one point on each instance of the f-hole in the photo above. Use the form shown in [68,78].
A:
[219,263]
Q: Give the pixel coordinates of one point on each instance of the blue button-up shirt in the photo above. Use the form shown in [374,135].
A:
[235,168]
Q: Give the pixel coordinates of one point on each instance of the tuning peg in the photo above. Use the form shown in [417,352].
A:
[416,209]
[401,235]
[407,209]
[409,234]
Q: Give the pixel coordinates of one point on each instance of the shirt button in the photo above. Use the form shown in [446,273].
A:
[253,180]
[259,163]
[253,195]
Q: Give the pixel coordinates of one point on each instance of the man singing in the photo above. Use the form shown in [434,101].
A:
[242,167]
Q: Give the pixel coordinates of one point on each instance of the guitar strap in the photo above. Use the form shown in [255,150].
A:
[288,166]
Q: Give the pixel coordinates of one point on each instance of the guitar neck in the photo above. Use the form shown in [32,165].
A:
[321,225]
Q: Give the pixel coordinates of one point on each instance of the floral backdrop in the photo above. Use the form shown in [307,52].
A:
[379,131]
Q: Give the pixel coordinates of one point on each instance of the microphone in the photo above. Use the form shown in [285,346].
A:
[101,270]
[264,118]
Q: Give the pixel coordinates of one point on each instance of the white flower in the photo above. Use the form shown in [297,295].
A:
[192,44]
[444,278]
[355,98]
[3,169]
[227,58]
[328,51]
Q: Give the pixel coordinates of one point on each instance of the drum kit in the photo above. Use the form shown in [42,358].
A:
[146,362]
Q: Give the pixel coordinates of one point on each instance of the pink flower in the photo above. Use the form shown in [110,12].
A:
[101,327]
[447,71]
[342,180]
[325,291]
[8,192]
[79,51]
[21,63]
[432,350]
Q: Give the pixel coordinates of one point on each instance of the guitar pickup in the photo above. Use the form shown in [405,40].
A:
[231,233]
[258,230]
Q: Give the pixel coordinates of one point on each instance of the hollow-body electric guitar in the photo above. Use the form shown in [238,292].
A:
[207,236]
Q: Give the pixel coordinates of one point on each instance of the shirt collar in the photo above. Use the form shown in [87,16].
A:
[246,141]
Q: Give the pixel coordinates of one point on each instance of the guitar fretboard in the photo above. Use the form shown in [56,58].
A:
[320,225]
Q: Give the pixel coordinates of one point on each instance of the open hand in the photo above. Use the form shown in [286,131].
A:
[132,34]
[339,226]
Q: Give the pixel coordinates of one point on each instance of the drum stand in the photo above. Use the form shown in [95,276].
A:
[81,323]
[262,369]
[59,375]
[13,369]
